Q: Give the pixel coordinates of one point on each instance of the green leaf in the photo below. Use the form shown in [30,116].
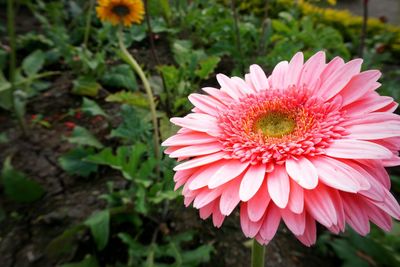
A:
[207,66]
[17,186]
[126,159]
[171,76]
[130,98]
[99,224]
[92,108]
[121,77]
[133,126]
[86,85]
[3,138]
[73,163]
[89,261]
[33,63]
[65,244]
[81,136]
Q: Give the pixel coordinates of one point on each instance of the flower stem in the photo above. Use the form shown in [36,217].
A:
[88,23]
[127,57]
[257,254]
[13,60]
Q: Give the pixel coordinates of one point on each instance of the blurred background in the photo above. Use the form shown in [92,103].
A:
[80,183]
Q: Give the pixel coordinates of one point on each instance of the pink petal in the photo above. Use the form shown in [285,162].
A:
[379,217]
[197,150]
[198,122]
[252,181]
[258,78]
[218,94]
[310,234]
[369,103]
[206,196]
[357,149]
[295,67]
[321,207]
[390,205]
[303,172]
[355,213]
[339,78]
[279,186]
[228,86]
[228,171]
[200,161]
[203,175]
[218,218]
[331,68]
[312,69]
[257,205]
[337,174]
[206,104]
[375,117]
[359,85]
[207,210]
[229,198]
[271,222]
[188,139]
[371,131]
[278,76]
[295,222]
[296,198]
[242,85]
[249,228]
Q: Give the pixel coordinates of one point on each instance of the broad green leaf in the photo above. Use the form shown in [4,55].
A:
[133,127]
[92,108]
[207,66]
[86,85]
[17,186]
[121,77]
[99,224]
[89,261]
[81,136]
[171,76]
[33,63]
[130,98]
[73,163]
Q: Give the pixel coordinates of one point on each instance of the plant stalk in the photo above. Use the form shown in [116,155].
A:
[13,62]
[88,23]
[237,33]
[257,254]
[128,58]
[156,59]
[364,29]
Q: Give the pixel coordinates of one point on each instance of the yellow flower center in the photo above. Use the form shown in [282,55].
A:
[275,124]
[120,10]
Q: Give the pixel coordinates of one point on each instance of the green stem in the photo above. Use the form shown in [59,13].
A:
[257,254]
[13,60]
[88,23]
[127,57]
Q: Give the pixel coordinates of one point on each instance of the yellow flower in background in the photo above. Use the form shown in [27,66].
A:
[124,12]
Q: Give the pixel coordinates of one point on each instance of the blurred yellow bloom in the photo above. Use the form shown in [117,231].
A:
[124,12]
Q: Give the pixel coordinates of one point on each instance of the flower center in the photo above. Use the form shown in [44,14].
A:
[274,124]
[120,10]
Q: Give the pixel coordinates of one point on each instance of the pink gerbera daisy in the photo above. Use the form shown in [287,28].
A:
[307,144]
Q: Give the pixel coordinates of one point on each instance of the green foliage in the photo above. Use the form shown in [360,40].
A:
[135,99]
[134,127]
[99,224]
[81,136]
[86,86]
[92,108]
[376,249]
[89,261]
[33,63]
[72,162]
[17,186]
[120,77]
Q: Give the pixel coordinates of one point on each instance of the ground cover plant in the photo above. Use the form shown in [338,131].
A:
[86,101]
